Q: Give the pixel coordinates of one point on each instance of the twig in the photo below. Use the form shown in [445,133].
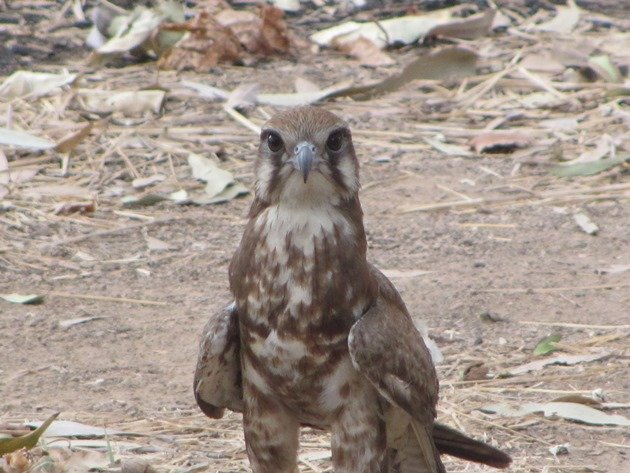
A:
[113,231]
[573,325]
[546,290]
[106,298]
[242,119]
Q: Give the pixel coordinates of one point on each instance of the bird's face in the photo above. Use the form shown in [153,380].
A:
[306,153]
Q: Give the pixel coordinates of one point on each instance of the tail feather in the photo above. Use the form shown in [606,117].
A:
[451,442]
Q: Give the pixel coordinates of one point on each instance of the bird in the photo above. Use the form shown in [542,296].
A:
[316,335]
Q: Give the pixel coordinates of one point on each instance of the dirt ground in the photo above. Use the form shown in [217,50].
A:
[490,281]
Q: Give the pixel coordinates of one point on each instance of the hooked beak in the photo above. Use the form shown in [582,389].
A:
[303,157]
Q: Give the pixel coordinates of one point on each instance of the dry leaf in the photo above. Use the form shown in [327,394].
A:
[155,244]
[471,27]
[558,360]
[368,53]
[206,44]
[565,21]
[566,410]
[142,182]
[67,208]
[585,223]
[244,96]
[407,29]
[34,84]
[71,141]
[475,372]
[499,141]
[444,63]
[22,139]
[304,85]
[129,103]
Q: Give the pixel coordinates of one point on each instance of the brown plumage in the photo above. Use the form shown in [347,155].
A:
[316,335]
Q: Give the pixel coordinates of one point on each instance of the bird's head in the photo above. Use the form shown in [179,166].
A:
[306,153]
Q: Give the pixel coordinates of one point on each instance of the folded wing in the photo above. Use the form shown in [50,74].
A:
[217,383]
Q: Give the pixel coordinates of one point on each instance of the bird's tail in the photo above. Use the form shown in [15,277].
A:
[411,449]
[452,442]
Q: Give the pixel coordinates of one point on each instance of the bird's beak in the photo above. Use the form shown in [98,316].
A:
[303,157]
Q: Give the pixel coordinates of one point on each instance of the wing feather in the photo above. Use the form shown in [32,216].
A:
[217,382]
[388,350]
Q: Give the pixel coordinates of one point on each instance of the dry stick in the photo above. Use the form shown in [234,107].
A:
[572,325]
[545,290]
[112,231]
[499,426]
[509,199]
[105,298]
[246,122]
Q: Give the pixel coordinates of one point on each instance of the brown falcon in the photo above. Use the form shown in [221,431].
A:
[316,335]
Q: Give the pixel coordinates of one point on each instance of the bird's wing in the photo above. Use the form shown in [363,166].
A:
[217,383]
[388,350]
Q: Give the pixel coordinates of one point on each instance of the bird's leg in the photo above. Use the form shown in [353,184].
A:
[271,433]
[358,436]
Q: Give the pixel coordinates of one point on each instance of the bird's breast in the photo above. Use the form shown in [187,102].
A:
[299,289]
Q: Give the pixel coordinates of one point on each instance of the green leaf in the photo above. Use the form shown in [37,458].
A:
[27,441]
[23,298]
[588,169]
[547,345]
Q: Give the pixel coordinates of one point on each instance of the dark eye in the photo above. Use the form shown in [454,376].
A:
[335,141]
[274,141]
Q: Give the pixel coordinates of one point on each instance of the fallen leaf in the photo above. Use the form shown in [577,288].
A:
[21,84]
[67,323]
[58,191]
[589,168]
[407,29]
[566,410]
[230,192]
[304,85]
[146,200]
[287,5]
[67,208]
[499,141]
[578,399]
[69,142]
[206,170]
[206,44]
[398,273]
[129,103]
[136,31]
[475,372]
[27,441]
[32,299]
[605,69]
[565,21]
[142,182]
[448,149]
[244,96]
[547,345]
[445,63]
[614,269]
[22,175]
[563,449]
[441,64]
[368,53]
[22,139]
[66,428]
[155,244]
[585,223]
[471,27]
[558,360]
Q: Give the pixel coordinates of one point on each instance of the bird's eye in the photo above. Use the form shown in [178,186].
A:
[274,142]
[335,141]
